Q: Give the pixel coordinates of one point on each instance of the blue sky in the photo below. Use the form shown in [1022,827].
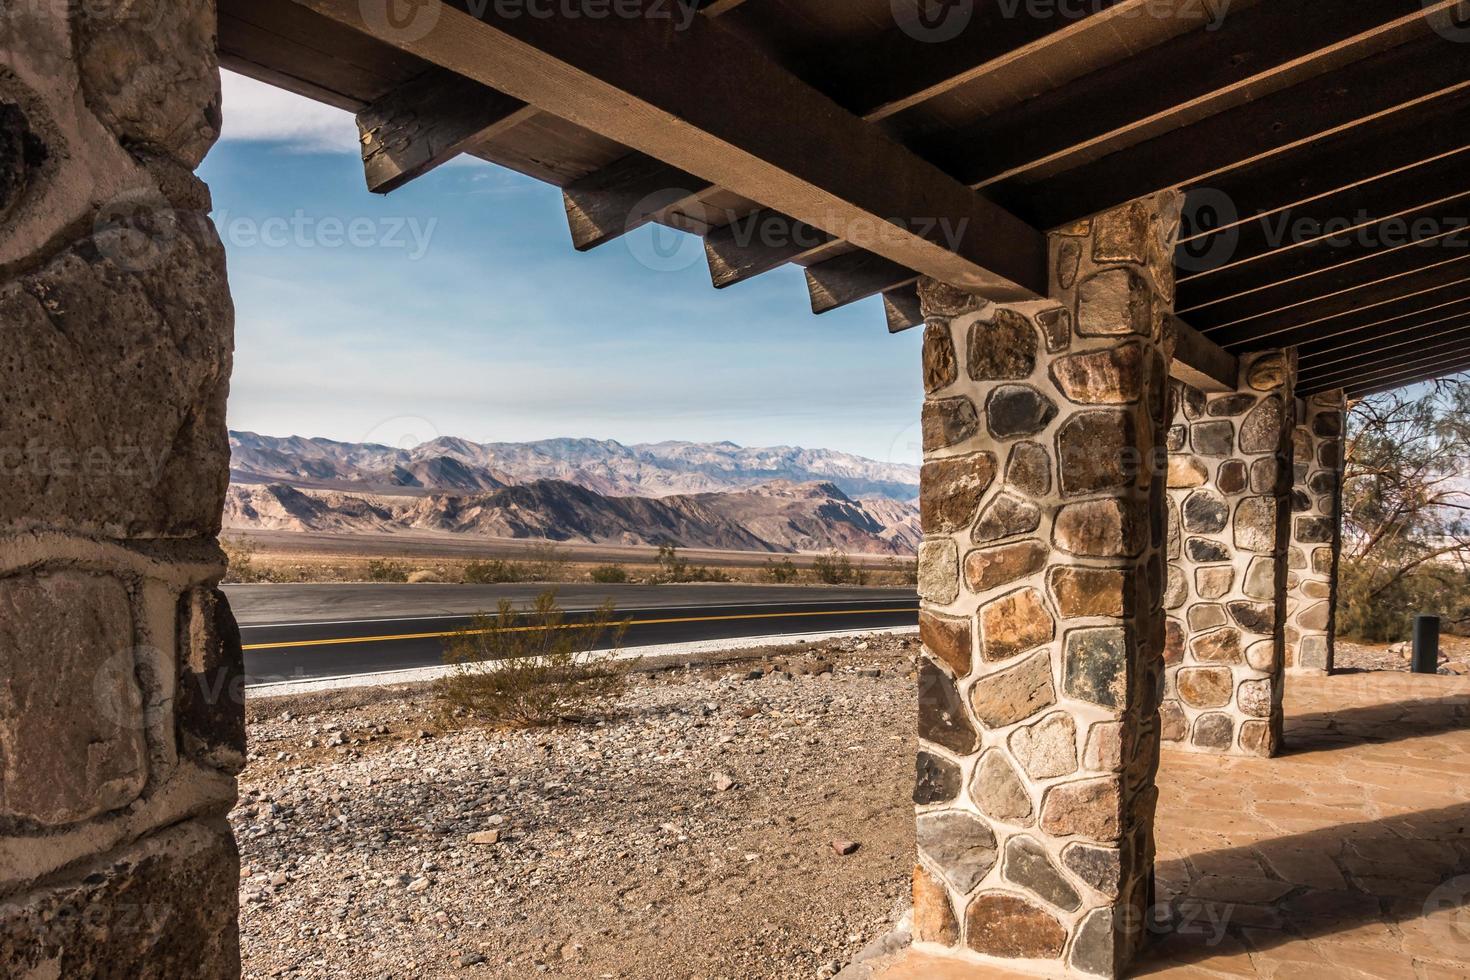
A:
[457,306]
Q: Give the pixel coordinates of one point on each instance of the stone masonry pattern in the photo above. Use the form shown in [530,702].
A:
[1229,473]
[1316,531]
[1041,577]
[121,718]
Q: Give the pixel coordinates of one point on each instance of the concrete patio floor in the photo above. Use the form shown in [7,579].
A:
[1348,857]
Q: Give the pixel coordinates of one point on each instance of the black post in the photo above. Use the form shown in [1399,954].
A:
[1426,644]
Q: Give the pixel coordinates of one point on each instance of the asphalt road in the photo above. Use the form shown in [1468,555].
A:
[300,632]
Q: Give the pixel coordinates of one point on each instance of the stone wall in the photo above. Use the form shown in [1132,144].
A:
[121,721]
[1041,576]
[1316,532]
[1229,474]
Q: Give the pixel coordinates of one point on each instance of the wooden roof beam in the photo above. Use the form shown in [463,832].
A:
[1364,368]
[758,243]
[853,276]
[1373,338]
[1410,301]
[902,309]
[1409,377]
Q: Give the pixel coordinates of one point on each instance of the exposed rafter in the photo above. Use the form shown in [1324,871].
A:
[902,309]
[853,276]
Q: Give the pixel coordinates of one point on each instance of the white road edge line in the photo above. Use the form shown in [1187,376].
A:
[416,675]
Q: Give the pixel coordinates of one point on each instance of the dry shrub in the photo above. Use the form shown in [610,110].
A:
[524,668]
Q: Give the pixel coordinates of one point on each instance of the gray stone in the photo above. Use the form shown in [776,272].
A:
[1314,530]
[1176,588]
[961,846]
[1014,694]
[942,718]
[1229,405]
[1214,730]
[951,490]
[1096,666]
[1017,410]
[1213,583]
[1096,451]
[1028,469]
[1213,438]
[948,422]
[1191,400]
[998,791]
[1254,617]
[1113,376]
[939,571]
[71,711]
[1114,302]
[1206,615]
[1100,868]
[1260,578]
[1266,475]
[1205,550]
[941,369]
[1254,698]
[1095,951]
[1255,525]
[1173,723]
[1003,349]
[1122,233]
[1047,748]
[1205,512]
[936,779]
[1006,516]
[1261,431]
[1027,865]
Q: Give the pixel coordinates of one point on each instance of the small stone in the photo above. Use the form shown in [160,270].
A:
[1185,472]
[1014,694]
[934,918]
[961,846]
[1214,730]
[1173,723]
[949,638]
[1256,738]
[1081,591]
[998,791]
[1104,752]
[1228,406]
[1176,588]
[1213,438]
[1026,864]
[418,885]
[1056,327]
[1106,528]
[988,568]
[937,780]
[941,369]
[1003,349]
[1005,516]
[1017,410]
[1204,550]
[1204,512]
[1047,748]
[1100,868]
[843,848]
[1314,530]
[1205,615]
[1014,623]
[1232,476]
[1096,451]
[484,837]
[951,490]
[939,571]
[1212,583]
[1096,666]
[1028,469]
[1095,950]
[1006,926]
[1255,525]
[1090,808]
[1254,617]
[942,718]
[1221,646]
[948,422]
[1113,376]
[722,782]
[1261,432]
[1205,687]
[1267,373]
[1254,698]
[1114,302]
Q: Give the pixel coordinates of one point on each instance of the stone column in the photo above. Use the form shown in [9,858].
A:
[1229,473]
[1316,532]
[1041,576]
[121,722]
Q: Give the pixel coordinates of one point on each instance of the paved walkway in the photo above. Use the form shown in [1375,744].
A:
[1346,858]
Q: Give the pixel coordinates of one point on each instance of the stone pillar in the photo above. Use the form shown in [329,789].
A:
[1229,474]
[1316,532]
[121,719]
[1041,576]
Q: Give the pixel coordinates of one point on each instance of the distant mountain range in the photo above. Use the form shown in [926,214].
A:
[707,495]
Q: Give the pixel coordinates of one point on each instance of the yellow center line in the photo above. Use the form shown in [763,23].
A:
[338,641]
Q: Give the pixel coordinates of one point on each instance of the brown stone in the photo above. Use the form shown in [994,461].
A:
[1205,687]
[1228,406]
[1221,646]
[211,722]
[1213,583]
[939,571]
[1176,437]
[1104,751]
[1260,578]
[1056,328]
[1266,475]
[1081,591]
[988,568]
[943,300]
[1268,372]
[1173,723]
[1214,730]
[1095,667]
[961,846]
[936,779]
[1005,926]
[1113,376]
[998,792]
[1114,302]
[1191,400]
[934,918]
[1173,642]
[1006,516]
[1107,528]
[1015,623]
[941,368]
[1256,739]
[1255,525]
[948,422]
[1261,655]
[1327,424]
[1028,469]
[1017,410]
[1089,808]
[1204,512]
[1314,530]
[1315,617]
[1096,451]
[1176,588]
[942,718]
[1213,438]
[1027,865]
[1262,428]
[1254,617]
[1121,234]
[1003,349]
[948,638]
[1185,472]
[1254,698]
[1014,694]
[71,712]
[1047,748]
[1232,476]
[1205,615]
[951,490]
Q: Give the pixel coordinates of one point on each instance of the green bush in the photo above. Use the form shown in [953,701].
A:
[673,568]
[492,572]
[380,570]
[837,569]
[780,572]
[609,574]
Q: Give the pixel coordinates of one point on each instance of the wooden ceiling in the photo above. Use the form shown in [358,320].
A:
[1322,143]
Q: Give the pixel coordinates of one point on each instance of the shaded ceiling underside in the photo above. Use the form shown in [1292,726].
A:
[1323,143]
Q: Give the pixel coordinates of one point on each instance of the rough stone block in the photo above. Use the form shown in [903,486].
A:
[947,422]
[1096,451]
[942,718]
[1003,925]
[949,638]
[1113,376]
[951,490]
[1006,516]
[998,791]
[936,779]
[1028,469]
[1108,528]
[1014,694]
[1003,349]
[1017,410]
[1114,302]
[1028,866]
[1090,808]
[989,568]
[1014,623]
[960,845]
[934,918]
[1047,748]
[211,706]
[1096,666]
[941,369]
[1081,591]
[939,571]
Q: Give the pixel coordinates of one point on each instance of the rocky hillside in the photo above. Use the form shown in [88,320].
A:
[779,517]
[609,468]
